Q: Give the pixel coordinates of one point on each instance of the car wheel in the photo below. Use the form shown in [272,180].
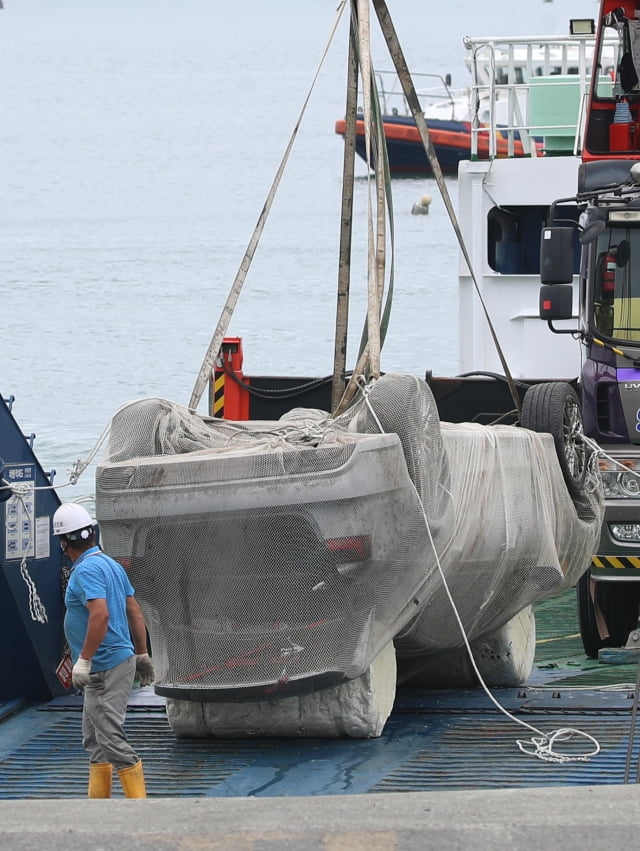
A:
[619,603]
[554,408]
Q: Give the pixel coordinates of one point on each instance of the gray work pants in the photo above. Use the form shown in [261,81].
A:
[103,715]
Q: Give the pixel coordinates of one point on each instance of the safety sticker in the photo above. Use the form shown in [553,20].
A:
[20,511]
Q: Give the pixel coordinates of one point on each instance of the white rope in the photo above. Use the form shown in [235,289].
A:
[592,478]
[77,468]
[366,390]
[80,465]
[541,744]
[37,609]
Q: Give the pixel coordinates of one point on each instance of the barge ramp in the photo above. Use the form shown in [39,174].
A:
[434,741]
[446,772]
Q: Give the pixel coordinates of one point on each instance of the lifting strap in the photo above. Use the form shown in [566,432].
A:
[404,76]
[219,334]
[376,157]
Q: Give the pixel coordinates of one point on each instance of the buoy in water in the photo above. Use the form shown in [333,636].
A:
[422,207]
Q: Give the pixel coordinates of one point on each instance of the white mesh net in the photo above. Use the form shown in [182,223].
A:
[274,558]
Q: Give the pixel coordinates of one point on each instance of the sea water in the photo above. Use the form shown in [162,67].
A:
[139,141]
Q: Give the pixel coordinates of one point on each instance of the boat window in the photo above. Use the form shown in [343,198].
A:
[616,291]
[513,237]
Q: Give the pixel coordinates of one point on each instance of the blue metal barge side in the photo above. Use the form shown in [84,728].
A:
[31,604]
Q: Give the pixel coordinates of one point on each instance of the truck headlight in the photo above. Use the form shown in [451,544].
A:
[621,480]
[629,532]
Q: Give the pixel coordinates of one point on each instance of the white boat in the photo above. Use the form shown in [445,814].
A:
[504,205]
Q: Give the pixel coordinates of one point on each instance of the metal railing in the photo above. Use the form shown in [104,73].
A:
[504,72]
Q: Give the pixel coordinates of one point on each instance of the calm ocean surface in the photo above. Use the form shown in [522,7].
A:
[139,141]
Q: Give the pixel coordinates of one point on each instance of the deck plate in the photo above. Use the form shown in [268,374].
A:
[434,740]
[421,749]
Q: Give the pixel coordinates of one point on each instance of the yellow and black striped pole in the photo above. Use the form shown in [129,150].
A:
[217,401]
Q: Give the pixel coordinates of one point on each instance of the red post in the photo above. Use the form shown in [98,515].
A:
[227,397]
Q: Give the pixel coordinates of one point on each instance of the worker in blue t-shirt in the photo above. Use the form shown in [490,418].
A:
[105,628]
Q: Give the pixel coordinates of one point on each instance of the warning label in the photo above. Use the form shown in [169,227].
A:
[20,511]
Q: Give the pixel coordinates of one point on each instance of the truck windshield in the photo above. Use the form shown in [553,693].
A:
[617,286]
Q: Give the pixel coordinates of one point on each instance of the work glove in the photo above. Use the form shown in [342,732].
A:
[144,669]
[81,673]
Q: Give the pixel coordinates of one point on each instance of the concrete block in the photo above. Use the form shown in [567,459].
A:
[356,709]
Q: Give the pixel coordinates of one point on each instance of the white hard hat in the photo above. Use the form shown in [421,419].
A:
[71,517]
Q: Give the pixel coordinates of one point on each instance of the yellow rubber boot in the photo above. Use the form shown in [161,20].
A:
[132,779]
[100,774]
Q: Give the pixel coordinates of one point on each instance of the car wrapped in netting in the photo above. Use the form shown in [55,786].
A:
[278,558]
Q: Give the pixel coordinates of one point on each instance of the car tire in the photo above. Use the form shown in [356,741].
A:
[619,603]
[554,408]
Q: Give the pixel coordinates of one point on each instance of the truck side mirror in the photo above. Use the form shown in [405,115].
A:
[556,255]
[556,301]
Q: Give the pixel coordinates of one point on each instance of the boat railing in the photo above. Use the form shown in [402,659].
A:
[530,93]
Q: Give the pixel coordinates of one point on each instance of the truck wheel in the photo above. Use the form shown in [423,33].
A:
[619,603]
[554,408]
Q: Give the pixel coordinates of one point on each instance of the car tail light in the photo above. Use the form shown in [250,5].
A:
[350,549]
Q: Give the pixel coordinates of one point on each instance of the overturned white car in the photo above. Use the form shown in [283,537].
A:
[277,559]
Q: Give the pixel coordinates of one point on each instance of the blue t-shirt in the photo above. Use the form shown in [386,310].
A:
[95,575]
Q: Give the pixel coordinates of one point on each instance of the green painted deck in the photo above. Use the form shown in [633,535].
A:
[559,648]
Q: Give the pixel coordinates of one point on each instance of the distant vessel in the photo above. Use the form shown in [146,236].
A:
[452,141]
